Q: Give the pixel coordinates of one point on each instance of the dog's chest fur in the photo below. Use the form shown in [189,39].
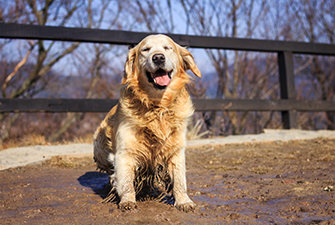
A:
[160,131]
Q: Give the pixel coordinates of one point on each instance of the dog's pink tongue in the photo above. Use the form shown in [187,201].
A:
[163,80]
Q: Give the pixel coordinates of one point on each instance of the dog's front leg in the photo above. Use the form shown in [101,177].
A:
[124,174]
[177,170]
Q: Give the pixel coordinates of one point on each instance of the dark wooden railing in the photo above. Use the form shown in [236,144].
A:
[288,104]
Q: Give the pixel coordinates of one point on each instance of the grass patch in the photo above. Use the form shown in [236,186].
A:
[65,162]
[260,170]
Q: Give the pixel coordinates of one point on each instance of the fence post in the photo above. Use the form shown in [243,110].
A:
[287,87]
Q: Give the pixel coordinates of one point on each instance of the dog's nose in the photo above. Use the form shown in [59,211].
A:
[158,59]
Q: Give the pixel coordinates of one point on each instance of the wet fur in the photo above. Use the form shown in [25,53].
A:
[145,134]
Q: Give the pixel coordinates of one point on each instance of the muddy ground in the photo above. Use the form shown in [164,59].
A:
[266,183]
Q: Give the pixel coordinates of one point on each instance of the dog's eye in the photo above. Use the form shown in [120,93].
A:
[145,49]
[167,47]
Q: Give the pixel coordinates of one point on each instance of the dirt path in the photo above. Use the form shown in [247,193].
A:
[271,183]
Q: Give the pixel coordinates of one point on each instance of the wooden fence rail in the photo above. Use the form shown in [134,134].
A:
[104,105]
[288,104]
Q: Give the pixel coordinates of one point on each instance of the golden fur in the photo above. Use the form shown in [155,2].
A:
[145,134]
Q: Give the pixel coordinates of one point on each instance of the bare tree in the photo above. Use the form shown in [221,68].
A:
[151,15]
[230,18]
[96,57]
[55,12]
[93,60]
[315,23]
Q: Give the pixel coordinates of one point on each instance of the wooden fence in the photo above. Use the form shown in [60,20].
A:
[288,104]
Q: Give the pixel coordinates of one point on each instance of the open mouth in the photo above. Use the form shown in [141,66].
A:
[160,79]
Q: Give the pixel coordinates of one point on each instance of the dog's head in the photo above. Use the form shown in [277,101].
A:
[156,63]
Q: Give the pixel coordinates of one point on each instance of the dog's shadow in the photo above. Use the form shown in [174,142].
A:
[98,182]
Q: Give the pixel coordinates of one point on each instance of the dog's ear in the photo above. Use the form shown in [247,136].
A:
[188,61]
[129,66]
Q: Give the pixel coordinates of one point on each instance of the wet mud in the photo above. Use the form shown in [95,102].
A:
[260,183]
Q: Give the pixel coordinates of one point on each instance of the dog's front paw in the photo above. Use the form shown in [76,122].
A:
[127,206]
[186,207]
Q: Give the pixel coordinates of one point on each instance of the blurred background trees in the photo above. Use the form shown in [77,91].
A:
[50,69]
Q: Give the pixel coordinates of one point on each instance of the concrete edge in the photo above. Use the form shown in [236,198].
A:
[18,157]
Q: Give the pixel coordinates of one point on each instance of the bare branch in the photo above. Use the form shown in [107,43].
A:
[17,67]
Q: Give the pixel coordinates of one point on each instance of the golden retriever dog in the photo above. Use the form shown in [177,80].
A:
[145,134]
